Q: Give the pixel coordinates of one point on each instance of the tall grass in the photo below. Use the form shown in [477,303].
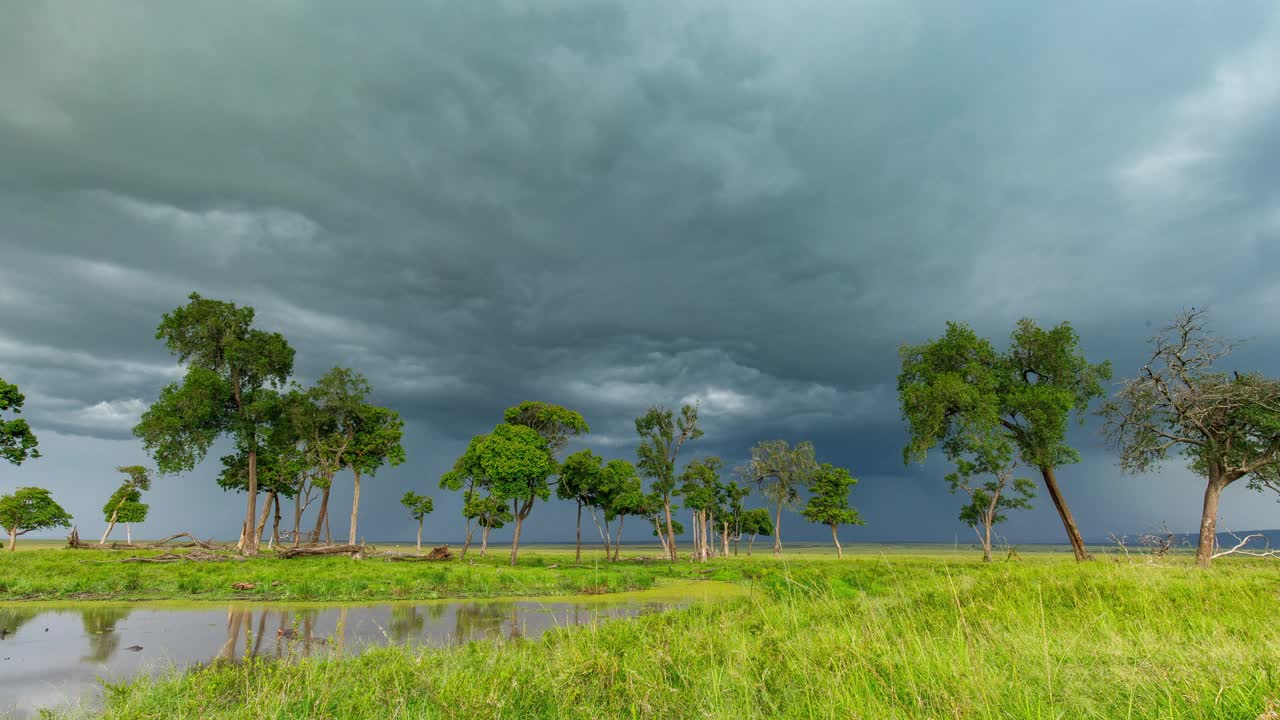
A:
[868,638]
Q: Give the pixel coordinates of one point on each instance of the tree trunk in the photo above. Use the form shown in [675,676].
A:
[297,516]
[577,553]
[262,523]
[777,533]
[750,542]
[617,543]
[836,540]
[275,525]
[1068,522]
[671,535]
[110,526]
[466,544]
[328,536]
[355,504]
[1209,521]
[724,538]
[128,533]
[250,546]
[484,540]
[986,543]
[323,513]
[515,540]
[419,534]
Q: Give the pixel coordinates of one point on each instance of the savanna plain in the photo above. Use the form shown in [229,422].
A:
[885,632]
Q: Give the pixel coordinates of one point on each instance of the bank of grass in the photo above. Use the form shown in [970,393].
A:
[869,637]
[63,574]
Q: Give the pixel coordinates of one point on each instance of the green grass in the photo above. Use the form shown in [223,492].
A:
[872,636]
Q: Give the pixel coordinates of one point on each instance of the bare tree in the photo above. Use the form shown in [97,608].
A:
[1227,426]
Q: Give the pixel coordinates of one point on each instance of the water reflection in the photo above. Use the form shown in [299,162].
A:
[55,656]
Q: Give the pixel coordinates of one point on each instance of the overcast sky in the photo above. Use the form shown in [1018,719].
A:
[746,203]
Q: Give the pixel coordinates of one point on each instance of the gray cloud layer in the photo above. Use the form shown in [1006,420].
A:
[612,204]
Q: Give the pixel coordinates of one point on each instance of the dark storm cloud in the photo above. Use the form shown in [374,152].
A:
[746,204]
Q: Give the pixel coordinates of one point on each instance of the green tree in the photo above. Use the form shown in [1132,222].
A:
[125,504]
[378,441]
[580,476]
[829,501]
[626,498]
[514,461]
[17,442]
[700,491]
[490,514]
[781,472]
[468,476]
[556,424]
[325,418]
[734,495]
[419,506]
[231,367]
[1227,426]
[30,508]
[986,454]
[279,461]
[662,435]
[1030,391]
[755,522]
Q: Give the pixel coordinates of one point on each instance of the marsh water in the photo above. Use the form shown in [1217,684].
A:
[58,655]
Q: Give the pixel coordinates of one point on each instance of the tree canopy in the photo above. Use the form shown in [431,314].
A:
[232,369]
[781,472]
[28,509]
[1029,392]
[662,434]
[17,442]
[1227,426]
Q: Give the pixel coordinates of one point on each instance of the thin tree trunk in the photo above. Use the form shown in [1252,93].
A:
[750,543]
[1209,522]
[419,534]
[515,539]
[607,548]
[577,554]
[986,542]
[111,526]
[355,504]
[617,544]
[251,511]
[297,515]
[323,513]
[470,529]
[484,540]
[262,523]
[777,533]
[836,540]
[328,536]
[275,525]
[671,535]
[724,537]
[128,533]
[1064,512]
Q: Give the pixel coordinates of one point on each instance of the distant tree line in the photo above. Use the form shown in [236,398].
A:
[990,411]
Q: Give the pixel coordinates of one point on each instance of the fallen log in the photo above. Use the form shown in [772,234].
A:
[357,552]
[193,556]
[75,542]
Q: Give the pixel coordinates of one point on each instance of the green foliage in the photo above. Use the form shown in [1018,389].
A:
[230,365]
[556,424]
[17,442]
[325,418]
[829,501]
[488,511]
[960,383]
[756,521]
[377,441]
[126,505]
[624,491]
[31,508]
[580,476]
[419,506]
[781,471]
[700,484]
[517,464]
[986,456]
[661,436]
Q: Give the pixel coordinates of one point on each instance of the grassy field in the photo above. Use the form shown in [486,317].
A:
[929,634]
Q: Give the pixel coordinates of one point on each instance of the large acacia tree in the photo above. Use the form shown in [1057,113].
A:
[518,464]
[662,434]
[17,442]
[1030,392]
[231,368]
[28,509]
[325,418]
[1226,425]
[781,472]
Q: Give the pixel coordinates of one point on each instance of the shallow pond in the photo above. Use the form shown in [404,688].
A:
[55,655]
